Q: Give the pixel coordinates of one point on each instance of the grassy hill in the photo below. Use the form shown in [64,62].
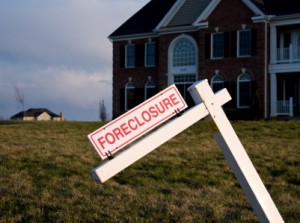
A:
[45,175]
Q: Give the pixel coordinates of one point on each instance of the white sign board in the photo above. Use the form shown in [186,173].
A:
[120,132]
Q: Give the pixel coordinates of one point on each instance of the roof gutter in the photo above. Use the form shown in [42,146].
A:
[133,36]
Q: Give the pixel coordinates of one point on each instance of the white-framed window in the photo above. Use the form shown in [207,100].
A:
[130,56]
[183,65]
[244,91]
[149,89]
[244,43]
[217,82]
[217,45]
[184,53]
[129,95]
[184,78]
[150,54]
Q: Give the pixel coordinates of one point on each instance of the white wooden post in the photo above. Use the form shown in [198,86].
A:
[291,107]
[237,157]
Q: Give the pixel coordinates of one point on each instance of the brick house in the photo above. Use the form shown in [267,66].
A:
[251,47]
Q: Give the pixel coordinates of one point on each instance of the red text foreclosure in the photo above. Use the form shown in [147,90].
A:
[133,123]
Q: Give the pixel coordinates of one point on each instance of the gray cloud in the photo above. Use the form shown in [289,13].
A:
[58,53]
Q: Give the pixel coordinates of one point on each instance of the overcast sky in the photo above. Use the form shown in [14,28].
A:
[56,52]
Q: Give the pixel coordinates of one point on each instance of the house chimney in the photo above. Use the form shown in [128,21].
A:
[62,118]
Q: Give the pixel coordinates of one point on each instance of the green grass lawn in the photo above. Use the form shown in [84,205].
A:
[45,175]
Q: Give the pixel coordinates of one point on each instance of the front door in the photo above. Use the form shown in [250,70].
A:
[183,65]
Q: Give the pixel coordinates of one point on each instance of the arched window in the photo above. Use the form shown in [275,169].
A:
[244,91]
[217,82]
[129,95]
[150,88]
[183,65]
[184,53]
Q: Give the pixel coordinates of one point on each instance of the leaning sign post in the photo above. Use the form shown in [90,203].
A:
[207,103]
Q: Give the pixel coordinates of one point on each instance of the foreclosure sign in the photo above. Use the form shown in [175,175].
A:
[136,122]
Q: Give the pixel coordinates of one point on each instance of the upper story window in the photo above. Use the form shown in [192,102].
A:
[217,45]
[150,54]
[217,82]
[130,55]
[244,91]
[244,42]
[184,53]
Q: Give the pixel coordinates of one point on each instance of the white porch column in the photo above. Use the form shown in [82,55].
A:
[273,94]
[273,45]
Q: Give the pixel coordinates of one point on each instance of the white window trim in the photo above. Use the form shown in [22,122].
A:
[238,43]
[238,90]
[126,65]
[212,46]
[146,65]
[183,69]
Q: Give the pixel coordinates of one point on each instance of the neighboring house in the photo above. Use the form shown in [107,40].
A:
[38,114]
[250,47]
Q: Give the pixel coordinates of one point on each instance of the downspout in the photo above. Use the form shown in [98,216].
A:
[266,69]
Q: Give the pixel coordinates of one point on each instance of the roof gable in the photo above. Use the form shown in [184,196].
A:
[195,12]
[214,3]
[189,12]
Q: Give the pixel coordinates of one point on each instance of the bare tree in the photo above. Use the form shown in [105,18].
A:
[19,95]
[102,111]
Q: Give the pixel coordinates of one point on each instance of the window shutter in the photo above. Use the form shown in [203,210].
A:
[122,99]
[122,56]
[226,44]
[139,55]
[156,54]
[139,95]
[233,93]
[253,93]
[253,42]
[227,86]
[233,43]
[207,46]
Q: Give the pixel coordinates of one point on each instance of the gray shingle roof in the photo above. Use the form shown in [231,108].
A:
[147,18]
[34,112]
[278,7]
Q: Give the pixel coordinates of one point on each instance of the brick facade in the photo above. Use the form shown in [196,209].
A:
[228,19]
